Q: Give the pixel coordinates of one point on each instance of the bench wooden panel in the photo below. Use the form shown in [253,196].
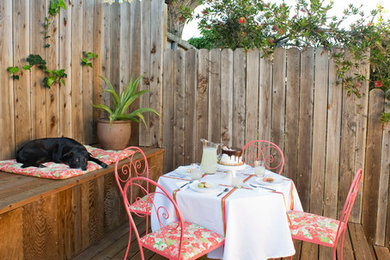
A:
[57,219]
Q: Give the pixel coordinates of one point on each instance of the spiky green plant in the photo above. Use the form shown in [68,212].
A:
[122,101]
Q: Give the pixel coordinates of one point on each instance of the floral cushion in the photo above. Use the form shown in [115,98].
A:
[196,240]
[62,171]
[141,205]
[313,228]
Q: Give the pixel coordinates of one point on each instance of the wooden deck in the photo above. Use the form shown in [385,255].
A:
[113,246]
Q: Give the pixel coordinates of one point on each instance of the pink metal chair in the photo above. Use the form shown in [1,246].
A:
[177,239]
[263,150]
[322,230]
[134,165]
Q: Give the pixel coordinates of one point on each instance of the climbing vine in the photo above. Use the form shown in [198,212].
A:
[52,76]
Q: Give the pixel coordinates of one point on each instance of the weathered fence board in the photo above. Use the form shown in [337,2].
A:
[168,114]
[292,114]
[239,94]
[305,126]
[226,95]
[265,100]
[87,72]
[145,36]
[252,94]
[278,97]
[202,101]
[178,111]
[38,94]
[383,189]
[136,26]
[190,116]
[361,134]
[373,163]
[214,124]
[52,95]
[65,45]
[332,143]
[22,87]
[155,97]
[319,131]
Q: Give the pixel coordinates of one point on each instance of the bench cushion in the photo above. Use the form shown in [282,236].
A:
[60,170]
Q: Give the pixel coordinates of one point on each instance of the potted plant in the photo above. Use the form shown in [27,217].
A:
[114,133]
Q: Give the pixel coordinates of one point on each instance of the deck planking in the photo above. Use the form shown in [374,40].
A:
[113,246]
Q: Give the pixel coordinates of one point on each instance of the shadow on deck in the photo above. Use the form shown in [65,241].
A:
[113,246]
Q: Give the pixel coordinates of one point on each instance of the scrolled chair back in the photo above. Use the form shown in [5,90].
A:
[168,219]
[266,151]
[135,164]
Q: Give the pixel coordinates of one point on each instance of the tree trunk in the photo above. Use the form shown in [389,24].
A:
[174,25]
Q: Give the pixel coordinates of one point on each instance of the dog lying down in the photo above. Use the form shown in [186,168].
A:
[59,150]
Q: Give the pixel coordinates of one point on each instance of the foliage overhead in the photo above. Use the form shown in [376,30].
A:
[263,25]
[122,101]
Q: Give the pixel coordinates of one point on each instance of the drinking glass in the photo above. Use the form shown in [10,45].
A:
[259,169]
[196,174]
[237,182]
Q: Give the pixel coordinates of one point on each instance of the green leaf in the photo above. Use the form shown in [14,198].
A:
[61,4]
[111,90]
[45,83]
[385,117]
[103,107]
[91,55]
[50,81]
[13,70]
[46,45]
[35,59]
[27,67]
[15,77]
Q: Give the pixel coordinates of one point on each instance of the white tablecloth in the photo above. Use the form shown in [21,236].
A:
[257,226]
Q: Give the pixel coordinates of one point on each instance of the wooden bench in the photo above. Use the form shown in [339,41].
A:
[57,219]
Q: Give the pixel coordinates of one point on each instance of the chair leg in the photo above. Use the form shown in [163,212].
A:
[341,247]
[128,243]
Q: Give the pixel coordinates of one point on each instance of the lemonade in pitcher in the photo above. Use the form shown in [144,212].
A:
[209,157]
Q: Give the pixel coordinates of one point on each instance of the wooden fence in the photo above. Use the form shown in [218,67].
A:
[296,101]
[129,40]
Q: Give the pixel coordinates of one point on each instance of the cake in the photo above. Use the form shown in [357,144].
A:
[231,156]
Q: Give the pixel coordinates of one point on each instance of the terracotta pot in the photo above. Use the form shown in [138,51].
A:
[114,137]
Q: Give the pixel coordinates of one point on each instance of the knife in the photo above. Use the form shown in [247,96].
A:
[259,186]
[185,184]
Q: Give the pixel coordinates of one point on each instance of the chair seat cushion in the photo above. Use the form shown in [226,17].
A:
[313,228]
[196,240]
[143,205]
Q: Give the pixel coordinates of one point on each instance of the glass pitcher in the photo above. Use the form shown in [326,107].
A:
[209,156]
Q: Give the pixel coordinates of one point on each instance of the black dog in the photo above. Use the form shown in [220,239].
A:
[58,150]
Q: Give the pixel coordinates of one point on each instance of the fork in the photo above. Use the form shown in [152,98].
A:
[225,190]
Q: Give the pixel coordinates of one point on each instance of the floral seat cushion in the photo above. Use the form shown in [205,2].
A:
[144,204]
[313,228]
[62,171]
[195,241]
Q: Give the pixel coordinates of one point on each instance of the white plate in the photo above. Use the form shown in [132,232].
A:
[184,170]
[213,187]
[277,180]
